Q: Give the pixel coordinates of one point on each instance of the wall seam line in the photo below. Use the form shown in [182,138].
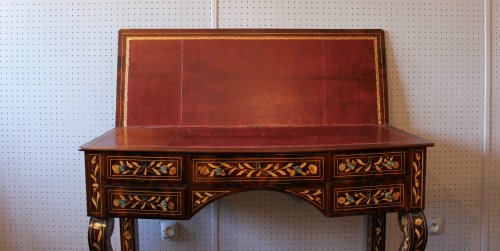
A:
[486,126]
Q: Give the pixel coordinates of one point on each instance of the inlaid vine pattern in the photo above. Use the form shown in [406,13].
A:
[95,179]
[369,164]
[376,234]
[258,169]
[417,178]
[144,167]
[99,232]
[367,197]
[315,196]
[127,231]
[201,198]
[162,203]
[414,228]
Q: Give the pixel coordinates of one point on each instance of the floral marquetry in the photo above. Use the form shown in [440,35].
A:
[259,169]
[369,197]
[201,198]
[138,168]
[94,181]
[417,178]
[314,196]
[162,203]
[372,164]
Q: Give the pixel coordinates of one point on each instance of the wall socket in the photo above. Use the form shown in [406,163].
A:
[435,226]
[169,230]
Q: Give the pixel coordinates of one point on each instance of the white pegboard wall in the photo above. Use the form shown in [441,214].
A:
[435,77]
[57,90]
[263,220]
[58,85]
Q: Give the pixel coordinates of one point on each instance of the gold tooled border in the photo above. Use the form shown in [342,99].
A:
[249,36]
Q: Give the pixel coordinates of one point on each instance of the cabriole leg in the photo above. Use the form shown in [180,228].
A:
[129,234]
[100,231]
[414,227]
[376,232]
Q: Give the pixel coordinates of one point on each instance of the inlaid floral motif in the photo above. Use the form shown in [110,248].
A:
[415,231]
[315,196]
[201,198]
[274,169]
[143,202]
[376,226]
[370,197]
[366,164]
[127,241]
[95,177]
[144,167]
[417,179]
[96,234]
[99,232]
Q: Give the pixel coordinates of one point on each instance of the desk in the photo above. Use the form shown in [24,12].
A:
[161,161]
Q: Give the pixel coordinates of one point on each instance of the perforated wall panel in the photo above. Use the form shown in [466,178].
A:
[435,70]
[57,90]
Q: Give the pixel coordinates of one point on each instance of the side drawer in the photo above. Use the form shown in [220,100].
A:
[369,164]
[146,202]
[148,168]
[285,168]
[361,198]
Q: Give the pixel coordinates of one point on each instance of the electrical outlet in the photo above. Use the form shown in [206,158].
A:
[435,226]
[169,230]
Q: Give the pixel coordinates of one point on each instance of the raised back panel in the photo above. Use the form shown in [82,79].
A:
[251,78]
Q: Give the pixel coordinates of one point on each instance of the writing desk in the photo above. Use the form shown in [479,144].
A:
[202,114]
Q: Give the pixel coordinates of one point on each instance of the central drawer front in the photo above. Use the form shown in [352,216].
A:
[269,168]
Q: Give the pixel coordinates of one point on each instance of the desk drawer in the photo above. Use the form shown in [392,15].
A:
[147,202]
[150,168]
[369,164]
[361,198]
[273,168]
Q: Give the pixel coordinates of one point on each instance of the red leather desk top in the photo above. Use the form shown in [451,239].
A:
[253,139]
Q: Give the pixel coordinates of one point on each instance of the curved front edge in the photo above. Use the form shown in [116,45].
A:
[100,231]
[414,227]
[203,197]
[315,196]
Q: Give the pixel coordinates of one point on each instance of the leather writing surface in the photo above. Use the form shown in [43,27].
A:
[253,80]
[154,83]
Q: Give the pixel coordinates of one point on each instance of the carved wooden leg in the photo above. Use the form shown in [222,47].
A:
[414,227]
[376,232]
[100,231]
[129,234]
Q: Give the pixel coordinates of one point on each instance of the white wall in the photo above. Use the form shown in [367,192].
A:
[57,91]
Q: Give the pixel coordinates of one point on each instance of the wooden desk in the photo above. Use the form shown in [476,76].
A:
[202,114]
